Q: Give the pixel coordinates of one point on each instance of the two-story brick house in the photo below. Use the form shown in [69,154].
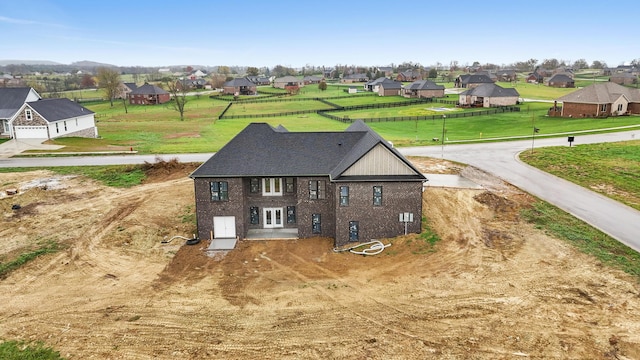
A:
[352,186]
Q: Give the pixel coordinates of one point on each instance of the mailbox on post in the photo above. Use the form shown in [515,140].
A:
[570,138]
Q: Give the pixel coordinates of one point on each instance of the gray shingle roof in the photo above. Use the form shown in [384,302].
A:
[11,99]
[58,109]
[148,89]
[476,79]
[601,93]
[261,150]
[424,85]
[561,78]
[239,82]
[491,90]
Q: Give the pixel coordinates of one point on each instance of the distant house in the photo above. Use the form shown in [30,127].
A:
[190,83]
[307,80]
[53,118]
[535,78]
[489,95]
[561,81]
[373,85]
[349,185]
[239,86]
[598,100]
[409,75]
[389,87]
[11,100]
[288,82]
[387,71]
[351,78]
[423,89]
[491,75]
[506,75]
[259,80]
[148,94]
[624,78]
[472,80]
[124,89]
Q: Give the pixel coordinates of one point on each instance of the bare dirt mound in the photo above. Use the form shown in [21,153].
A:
[493,287]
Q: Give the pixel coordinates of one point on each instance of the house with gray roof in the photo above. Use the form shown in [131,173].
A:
[149,94]
[489,95]
[624,78]
[472,80]
[388,87]
[53,118]
[11,100]
[409,75]
[423,89]
[239,86]
[598,100]
[288,82]
[561,81]
[352,186]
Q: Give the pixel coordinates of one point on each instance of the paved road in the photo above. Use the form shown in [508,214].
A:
[501,159]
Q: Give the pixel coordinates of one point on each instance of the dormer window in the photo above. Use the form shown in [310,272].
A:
[28,114]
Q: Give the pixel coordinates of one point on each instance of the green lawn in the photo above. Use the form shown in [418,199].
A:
[611,169]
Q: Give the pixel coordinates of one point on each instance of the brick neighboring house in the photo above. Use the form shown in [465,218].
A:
[506,75]
[535,78]
[409,75]
[259,80]
[374,85]
[489,95]
[148,94]
[561,81]
[624,78]
[307,80]
[239,86]
[351,186]
[124,89]
[11,100]
[389,87]
[598,100]
[351,78]
[288,82]
[53,118]
[472,80]
[423,89]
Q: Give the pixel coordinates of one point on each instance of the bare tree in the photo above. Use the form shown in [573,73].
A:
[178,93]
[109,81]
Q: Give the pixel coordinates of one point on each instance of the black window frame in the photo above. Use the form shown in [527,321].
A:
[254,185]
[317,190]
[221,191]
[344,195]
[377,195]
[316,223]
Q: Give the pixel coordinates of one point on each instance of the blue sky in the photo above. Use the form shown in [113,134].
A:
[320,33]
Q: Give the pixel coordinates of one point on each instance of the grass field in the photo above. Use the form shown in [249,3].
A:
[611,169]
[158,129]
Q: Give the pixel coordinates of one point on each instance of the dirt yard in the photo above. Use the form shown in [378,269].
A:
[494,287]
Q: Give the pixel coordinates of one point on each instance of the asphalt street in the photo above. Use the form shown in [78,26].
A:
[498,158]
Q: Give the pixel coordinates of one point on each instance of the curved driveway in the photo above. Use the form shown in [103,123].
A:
[500,159]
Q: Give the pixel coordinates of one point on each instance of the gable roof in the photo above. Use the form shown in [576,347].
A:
[491,90]
[239,82]
[261,150]
[390,84]
[476,79]
[288,78]
[12,99]
[561,78]
[424,85]
[601,93]
[58,109]
[130,85]
[147,89]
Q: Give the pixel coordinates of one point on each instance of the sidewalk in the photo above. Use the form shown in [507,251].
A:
[17,146]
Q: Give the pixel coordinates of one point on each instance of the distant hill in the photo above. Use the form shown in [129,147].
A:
[89,64]
[28,62]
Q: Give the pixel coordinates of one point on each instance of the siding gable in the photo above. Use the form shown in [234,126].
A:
[379,161]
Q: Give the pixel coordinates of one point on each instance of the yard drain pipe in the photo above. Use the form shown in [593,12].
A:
[194,240]
[375,248]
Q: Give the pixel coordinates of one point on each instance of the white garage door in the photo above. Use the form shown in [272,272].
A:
[30,132]
[224,227]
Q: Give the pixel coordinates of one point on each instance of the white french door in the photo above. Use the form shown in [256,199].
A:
[272,217]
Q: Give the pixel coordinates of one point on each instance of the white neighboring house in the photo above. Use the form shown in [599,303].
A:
[11,100]
[52,118]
